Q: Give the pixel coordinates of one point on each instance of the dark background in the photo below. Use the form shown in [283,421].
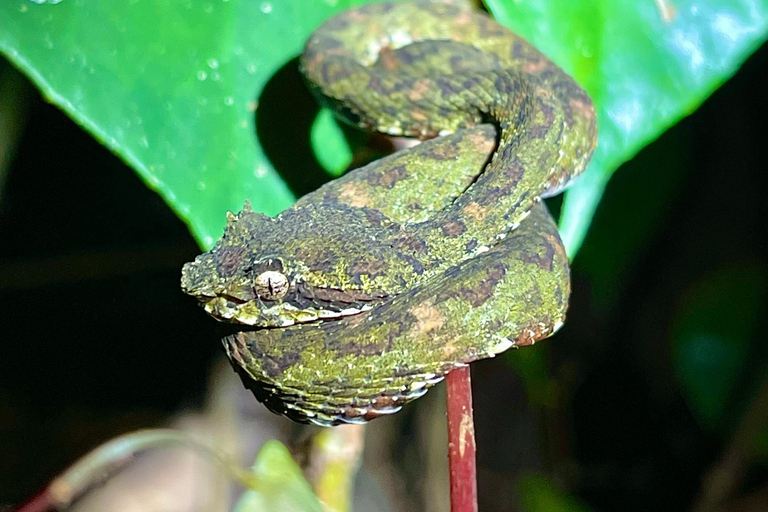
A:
[657,379]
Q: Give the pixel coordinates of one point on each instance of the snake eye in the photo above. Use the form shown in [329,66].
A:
[271,285]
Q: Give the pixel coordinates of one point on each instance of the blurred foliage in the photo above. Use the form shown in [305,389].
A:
[715,322]
[538,494]
[281,484]
[533,368]
[182,113]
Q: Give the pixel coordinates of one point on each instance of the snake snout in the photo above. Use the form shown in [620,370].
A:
[196,277]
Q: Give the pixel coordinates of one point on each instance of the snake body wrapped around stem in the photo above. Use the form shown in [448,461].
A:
[369,290]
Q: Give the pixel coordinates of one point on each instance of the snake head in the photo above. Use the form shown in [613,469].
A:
[267,272]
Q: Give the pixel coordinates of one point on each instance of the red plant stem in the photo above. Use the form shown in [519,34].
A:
[41,502]
[461,441]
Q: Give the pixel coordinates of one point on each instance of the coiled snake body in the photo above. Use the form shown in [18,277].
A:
[370,289]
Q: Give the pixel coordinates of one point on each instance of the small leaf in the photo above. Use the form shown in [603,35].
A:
[645,63]
[281,484]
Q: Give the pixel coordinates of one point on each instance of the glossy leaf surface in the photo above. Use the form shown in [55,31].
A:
[645,63]
[172,87]
[177,88]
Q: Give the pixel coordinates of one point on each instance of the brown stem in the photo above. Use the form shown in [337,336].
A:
[461,441]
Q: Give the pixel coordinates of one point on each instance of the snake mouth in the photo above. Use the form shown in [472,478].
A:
[259,314]
[301,303]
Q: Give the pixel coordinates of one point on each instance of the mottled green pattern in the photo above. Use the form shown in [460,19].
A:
[369,290]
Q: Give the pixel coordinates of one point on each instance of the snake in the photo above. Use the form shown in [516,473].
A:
[369,290]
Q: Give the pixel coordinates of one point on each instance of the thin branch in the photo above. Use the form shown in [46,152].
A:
[461,441]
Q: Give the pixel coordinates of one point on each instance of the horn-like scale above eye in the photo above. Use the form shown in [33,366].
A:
[271,285]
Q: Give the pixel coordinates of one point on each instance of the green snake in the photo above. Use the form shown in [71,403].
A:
[369,290]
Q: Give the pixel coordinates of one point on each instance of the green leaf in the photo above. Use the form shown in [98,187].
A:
[646,64]
[171,87]
[711,339]
[538,494]
[329,144]
[281,484]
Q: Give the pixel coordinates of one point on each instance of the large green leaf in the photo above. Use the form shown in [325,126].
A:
[171,86]
[646,64]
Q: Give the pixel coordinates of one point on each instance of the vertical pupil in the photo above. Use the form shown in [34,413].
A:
[271,285]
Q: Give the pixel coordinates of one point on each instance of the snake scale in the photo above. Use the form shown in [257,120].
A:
[369,290]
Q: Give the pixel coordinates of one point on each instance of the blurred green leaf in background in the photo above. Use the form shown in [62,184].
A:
[282,485]
[539,494]
[714,325]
